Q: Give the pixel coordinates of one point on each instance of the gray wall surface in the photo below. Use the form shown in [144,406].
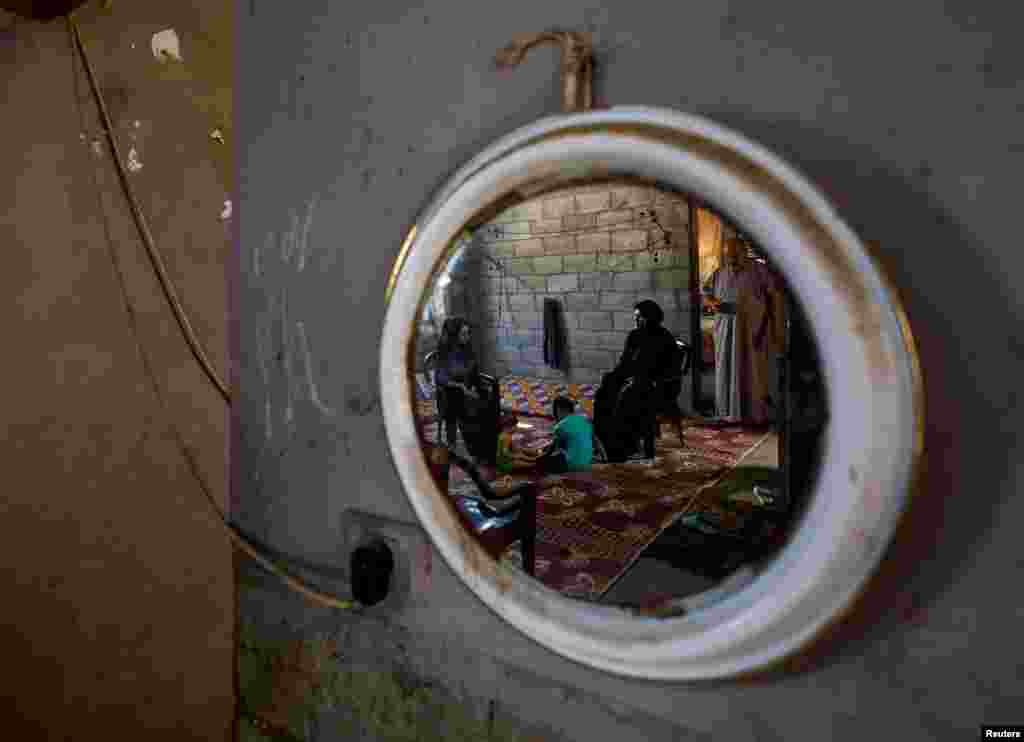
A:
[910,115]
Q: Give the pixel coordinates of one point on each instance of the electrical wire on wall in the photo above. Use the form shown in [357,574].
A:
[147,238]
[241,541]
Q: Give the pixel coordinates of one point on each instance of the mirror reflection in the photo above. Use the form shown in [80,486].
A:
[619,394]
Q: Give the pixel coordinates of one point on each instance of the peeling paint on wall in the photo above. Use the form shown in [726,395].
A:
[166,45]
[134,164]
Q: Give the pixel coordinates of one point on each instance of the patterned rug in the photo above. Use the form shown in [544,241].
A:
[520,395]
[528,396]
[591,527]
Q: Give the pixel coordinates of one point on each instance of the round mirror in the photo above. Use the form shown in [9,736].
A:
[649,396]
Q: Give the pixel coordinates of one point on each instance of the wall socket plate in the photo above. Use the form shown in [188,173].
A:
[408,543]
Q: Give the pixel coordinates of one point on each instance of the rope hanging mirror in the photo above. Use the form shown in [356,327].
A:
[595,210]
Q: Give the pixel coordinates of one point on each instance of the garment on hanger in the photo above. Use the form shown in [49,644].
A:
[554,334]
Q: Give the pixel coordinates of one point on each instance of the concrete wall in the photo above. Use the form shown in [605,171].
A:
[908,114]
[592,250]
[118,608]
[595,250]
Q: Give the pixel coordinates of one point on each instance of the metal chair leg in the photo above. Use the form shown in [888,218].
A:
[679,430]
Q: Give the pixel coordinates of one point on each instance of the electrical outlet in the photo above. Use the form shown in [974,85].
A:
[406,543]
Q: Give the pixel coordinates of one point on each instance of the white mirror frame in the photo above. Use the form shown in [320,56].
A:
[872,446]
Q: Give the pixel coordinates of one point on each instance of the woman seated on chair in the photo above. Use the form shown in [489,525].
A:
[462,398]
[627,402]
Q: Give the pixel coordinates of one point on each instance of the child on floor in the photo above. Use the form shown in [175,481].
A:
[510,456]
[573,446]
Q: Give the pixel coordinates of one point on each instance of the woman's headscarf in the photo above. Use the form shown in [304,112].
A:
[651,312]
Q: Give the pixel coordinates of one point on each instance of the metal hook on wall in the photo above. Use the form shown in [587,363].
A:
[577,64]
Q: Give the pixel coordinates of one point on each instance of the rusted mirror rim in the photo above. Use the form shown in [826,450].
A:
[872,446]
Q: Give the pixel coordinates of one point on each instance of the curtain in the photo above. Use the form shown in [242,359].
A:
[709,243]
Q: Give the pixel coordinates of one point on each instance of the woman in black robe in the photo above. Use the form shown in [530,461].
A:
[627,402]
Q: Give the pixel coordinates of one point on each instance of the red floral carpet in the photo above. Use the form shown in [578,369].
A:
[592,526]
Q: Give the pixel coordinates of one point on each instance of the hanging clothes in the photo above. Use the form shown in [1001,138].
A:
[554,334]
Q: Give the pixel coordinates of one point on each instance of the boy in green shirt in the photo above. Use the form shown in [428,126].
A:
[573,446]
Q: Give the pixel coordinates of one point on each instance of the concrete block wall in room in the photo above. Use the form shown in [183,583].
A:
[596,250]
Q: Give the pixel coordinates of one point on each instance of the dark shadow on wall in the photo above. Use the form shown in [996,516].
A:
[893,212]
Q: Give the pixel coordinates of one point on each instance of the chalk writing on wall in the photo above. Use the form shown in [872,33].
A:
[289,364]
